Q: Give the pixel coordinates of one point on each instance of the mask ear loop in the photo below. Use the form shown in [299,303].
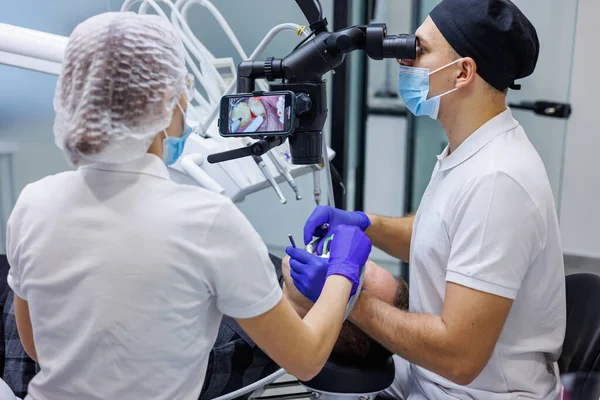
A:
[448,92]
[445,66]
[441,68]
[165,148]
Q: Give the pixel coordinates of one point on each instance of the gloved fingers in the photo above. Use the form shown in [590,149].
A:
[298,267]
[299,254]
[298,278]
[350,244]
[319,216]
[302,286]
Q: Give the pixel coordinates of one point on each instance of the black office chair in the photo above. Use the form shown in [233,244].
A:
[579,362]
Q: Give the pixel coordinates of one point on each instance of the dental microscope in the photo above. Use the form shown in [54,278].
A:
[301,73]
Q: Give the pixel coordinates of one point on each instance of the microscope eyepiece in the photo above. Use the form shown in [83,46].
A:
[400,47]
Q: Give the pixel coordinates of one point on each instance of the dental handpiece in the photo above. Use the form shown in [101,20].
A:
[265,170]
[284,171]
[317,185]
[235,125]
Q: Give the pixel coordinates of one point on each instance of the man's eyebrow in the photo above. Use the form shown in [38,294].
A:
[421,41]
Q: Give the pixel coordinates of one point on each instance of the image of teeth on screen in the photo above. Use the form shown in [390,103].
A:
[257,114]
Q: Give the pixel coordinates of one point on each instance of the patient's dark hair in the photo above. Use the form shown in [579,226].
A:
[355,346]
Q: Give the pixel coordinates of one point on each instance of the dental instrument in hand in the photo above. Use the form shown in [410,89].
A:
[291,240]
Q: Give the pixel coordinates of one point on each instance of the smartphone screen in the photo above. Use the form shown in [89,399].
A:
[267,114]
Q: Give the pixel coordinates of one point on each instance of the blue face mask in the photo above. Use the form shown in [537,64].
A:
[173,146]
[413,86]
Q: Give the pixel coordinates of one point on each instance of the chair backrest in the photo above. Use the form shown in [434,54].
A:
[580,358]
[581,348]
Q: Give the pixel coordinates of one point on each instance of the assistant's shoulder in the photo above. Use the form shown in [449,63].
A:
[41,190]
[196,199]
[37,201]
[199,205]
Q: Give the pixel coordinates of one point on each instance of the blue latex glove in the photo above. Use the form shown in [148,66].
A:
[308,271]
[334,217]
[350,249]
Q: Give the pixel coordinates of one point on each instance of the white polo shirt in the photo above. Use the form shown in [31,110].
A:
[488,221]
[128,275]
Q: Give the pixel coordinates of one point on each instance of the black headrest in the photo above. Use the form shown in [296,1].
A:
[339,376]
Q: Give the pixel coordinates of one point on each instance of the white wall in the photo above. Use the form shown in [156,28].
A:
[580,210]
[385,174]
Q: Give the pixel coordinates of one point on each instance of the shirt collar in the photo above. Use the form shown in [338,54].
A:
[149,164]
[501,123]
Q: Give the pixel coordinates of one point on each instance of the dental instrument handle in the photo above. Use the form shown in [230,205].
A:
[330,195]
[317,185]
[292,240]
[263,167]
[292,183]
[285,172]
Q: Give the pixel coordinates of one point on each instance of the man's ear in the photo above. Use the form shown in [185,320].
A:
[466,72]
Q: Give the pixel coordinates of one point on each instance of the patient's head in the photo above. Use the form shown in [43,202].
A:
[353,344]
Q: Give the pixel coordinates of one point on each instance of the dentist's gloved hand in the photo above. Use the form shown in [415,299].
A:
[334,217]
[350,249]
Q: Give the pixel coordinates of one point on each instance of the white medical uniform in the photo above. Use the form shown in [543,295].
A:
[488,221]
[5,392]
[128,275]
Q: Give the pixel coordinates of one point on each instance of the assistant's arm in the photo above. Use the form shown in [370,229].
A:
[391,235]
[24,327]
[302,346]
[245,288]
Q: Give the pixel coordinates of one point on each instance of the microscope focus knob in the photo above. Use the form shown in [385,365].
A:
[269,68]
[303,103]
[343,43]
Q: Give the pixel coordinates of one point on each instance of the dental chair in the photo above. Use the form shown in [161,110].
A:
[343,380]
[340,379]
[579,363]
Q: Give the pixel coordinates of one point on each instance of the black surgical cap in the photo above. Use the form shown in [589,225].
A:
[494,33]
